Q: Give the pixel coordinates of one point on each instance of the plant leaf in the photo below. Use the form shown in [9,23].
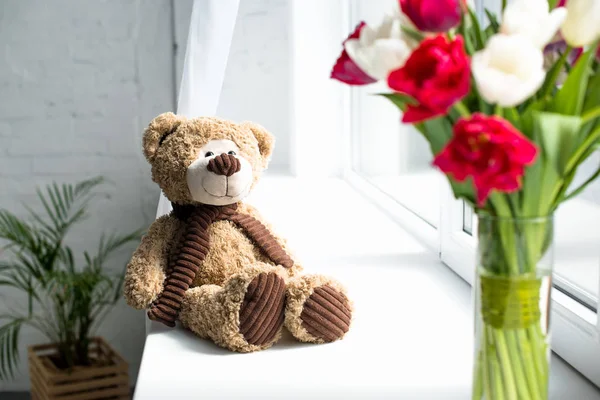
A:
[584,185]
[570,97]
[9,346]
[494,25]
[558,135]
[400,100]
[463,190]
[592,99]
[437,132]
[476,28]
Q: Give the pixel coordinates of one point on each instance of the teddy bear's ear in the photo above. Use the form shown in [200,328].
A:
[157,131]
[266,141]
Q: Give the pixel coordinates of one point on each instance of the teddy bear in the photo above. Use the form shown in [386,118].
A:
[214,263]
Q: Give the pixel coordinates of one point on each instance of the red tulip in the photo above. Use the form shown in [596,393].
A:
[491,151]
[436,75]
[345,70]
[433,15]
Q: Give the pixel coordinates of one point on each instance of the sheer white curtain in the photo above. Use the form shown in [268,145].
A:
[206,54]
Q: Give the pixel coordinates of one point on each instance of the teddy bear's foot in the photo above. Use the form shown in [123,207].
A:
[244,315]
[318,310]
[262,312]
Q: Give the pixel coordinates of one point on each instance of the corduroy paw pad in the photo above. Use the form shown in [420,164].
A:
[326,314]
[262,312]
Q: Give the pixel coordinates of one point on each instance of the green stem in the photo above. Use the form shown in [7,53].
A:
[581,187]
[536,338]
[581,150]
[497,382]
[487,371]
[498,110]
[460,107]
[527,356]
[518,367]
[505,363]
[479,374]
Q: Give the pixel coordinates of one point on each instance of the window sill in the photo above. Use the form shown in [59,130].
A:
[412,332]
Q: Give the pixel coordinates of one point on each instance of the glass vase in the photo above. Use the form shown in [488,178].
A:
[512,308]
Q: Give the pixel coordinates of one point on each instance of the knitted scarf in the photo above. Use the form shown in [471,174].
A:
[194,246]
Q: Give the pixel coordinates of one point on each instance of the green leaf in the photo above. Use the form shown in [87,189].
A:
[494,25]
[437,132]
[400,100]
[553,73]
[570,97]
[476,28]
[584,185]
[558,135]
[462,30]
[512,115]
[590,115]
[592,99]
[9,346]
[412,33]
[585,149]
[463,190]
[16,231]
[552,4]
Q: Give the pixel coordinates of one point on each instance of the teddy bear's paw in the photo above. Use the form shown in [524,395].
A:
[262,311]
[326,314]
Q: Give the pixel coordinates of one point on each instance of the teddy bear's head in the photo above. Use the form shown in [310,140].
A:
[206,160]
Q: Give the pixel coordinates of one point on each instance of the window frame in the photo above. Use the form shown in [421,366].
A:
[575,328]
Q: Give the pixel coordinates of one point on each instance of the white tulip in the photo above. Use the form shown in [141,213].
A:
[582,25]
[381,50]
[532,19]
[508,70]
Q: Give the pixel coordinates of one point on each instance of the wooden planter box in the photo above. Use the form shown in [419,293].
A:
[106,379]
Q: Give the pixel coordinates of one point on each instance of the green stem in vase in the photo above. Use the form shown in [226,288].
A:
[486,371]
[480,374]
[498,388]
[514,363]
[517,364]
[505,363]
[529,363]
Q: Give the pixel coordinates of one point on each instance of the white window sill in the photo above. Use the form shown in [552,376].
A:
[412,332]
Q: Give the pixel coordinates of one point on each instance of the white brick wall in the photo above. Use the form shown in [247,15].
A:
[79,80]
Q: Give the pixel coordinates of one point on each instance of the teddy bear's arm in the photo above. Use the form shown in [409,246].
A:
[146,271]
[252,211]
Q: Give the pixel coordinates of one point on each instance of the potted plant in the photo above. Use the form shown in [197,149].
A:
[63,300]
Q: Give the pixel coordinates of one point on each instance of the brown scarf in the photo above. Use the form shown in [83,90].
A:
[194,246]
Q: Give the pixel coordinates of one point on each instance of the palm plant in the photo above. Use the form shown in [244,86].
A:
[63,301]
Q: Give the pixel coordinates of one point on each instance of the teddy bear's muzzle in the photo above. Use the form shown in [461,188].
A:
[224,164]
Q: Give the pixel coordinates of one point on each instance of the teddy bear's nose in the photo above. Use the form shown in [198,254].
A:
[224,164]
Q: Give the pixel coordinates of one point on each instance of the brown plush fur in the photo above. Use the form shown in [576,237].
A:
[184,137]
[298,291]
[146,270]
[211,306]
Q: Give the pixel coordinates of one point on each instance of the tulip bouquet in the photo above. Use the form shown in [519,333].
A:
[510,112]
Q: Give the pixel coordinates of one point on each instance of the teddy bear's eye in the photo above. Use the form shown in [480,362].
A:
[209,154]
[232,153]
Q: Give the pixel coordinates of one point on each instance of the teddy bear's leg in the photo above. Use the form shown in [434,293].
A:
[317,310]
[245,314]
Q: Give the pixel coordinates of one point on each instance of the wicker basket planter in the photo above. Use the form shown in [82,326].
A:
[106,378]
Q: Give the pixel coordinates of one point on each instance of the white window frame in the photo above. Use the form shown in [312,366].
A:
[575,328]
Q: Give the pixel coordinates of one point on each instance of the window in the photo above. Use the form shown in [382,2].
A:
[390,163]
[394,157]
